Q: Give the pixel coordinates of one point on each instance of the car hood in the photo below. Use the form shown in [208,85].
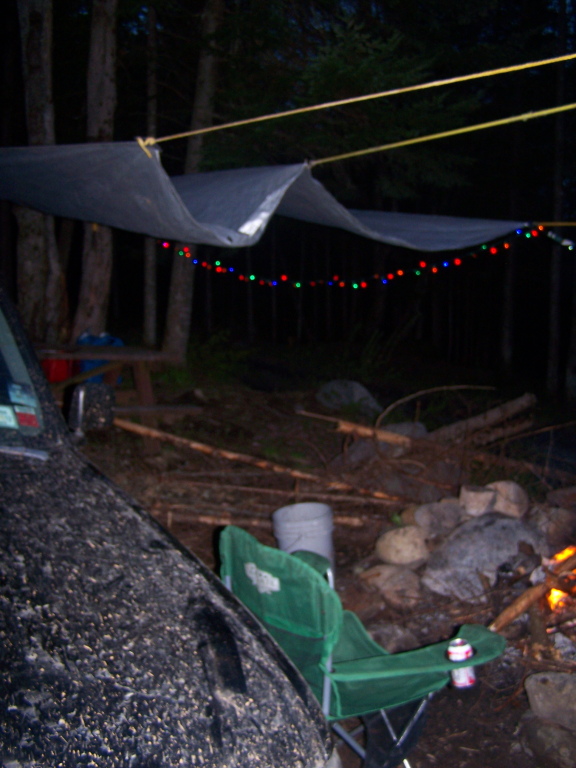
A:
[119,648]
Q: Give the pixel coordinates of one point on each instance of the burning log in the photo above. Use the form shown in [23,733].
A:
[532,595]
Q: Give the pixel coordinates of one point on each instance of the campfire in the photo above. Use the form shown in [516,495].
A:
[558,596]
[558,587]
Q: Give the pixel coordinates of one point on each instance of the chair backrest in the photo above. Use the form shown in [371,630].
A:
[288,596]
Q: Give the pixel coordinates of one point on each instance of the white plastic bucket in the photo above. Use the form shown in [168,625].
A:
[306,526]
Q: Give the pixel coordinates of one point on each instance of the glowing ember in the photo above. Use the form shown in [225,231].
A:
[556,597]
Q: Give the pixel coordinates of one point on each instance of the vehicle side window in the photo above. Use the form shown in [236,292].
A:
[19,405]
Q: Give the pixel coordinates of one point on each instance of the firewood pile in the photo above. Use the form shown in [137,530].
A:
[381,474]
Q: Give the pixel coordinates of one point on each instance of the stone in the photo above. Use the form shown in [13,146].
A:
[565,647]
[358,453]
[552,696]
[480,545]
[414,488]
[408,513]
[439,518]
[552,745]
[563,497]
[476,499]
[393,638]
[403,546]
[341,393]
[557,524]
[413,429]
[397,584]
[511,499]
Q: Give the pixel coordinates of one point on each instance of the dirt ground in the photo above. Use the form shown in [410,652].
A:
[195,493]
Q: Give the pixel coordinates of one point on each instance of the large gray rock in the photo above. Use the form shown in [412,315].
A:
[342,393]
[550,744]
[552,696]
[480,545]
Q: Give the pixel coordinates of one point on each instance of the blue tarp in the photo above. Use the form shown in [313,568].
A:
[119,185]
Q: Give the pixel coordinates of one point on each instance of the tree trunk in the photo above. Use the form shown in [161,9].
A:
[94,294]
[179,313]
[150,290]
[40,278]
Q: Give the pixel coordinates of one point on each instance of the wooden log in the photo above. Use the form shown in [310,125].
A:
[349,427]
[329,497]
[501,433]
[460,430]
[188,514]
[157,434]
[530,596]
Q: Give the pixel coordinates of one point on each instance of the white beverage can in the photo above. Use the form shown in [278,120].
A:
[460,650]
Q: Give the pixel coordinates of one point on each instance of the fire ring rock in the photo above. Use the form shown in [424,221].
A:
[511,499]
[480,545]
[403,546]
[397,584]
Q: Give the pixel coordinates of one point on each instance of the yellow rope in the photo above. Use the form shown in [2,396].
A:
[444,134]
[356,99]
[557,223]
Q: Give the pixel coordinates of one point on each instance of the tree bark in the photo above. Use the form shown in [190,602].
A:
[91,314]
[40,278]
[179,313]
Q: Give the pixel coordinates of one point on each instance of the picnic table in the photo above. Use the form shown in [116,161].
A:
[140,360]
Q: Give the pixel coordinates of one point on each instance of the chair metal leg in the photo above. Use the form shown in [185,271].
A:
[345,736]
[391,736]
[392,733]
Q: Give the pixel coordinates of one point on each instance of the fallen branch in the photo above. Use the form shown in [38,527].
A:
[501,433]
[187,513]
[349,427]
[530,596]
[338,485]
[462,429]
[274,491]
[407,399]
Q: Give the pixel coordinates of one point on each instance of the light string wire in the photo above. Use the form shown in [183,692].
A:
[150,140]
[433,265]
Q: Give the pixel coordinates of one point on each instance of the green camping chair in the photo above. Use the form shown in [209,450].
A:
[350,674]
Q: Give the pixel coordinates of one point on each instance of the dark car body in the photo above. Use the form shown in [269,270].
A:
[118,647]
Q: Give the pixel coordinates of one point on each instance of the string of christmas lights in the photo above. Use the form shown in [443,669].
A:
[423,267]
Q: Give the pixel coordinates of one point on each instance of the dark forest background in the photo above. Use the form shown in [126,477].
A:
[179,64]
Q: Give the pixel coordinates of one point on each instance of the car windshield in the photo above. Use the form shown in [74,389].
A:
[20,411]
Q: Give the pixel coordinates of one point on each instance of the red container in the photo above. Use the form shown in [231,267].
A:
[57,370]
